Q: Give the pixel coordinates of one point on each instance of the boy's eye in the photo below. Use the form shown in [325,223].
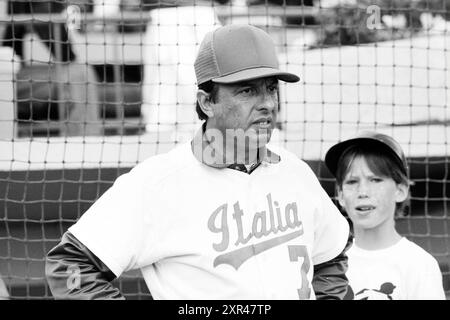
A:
[350,181]
[376,179]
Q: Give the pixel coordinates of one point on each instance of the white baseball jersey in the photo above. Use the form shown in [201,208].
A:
[198,232]
[403,271]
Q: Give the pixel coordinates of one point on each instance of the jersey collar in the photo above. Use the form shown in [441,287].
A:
[200,145]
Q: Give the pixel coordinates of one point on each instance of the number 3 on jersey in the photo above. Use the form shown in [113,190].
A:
[296,252]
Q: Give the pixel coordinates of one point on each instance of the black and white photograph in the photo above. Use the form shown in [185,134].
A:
[225,154]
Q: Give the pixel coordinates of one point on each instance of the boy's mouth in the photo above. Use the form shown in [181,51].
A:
[364,208]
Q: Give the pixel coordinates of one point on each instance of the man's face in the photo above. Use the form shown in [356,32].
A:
[249,106]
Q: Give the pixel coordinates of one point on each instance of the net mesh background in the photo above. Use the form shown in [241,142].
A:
[93,87]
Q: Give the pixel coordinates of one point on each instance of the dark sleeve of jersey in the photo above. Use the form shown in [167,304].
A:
[329,280]
[74,272]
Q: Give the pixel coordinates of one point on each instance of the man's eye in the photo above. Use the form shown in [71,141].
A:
[273,89]
[246,91]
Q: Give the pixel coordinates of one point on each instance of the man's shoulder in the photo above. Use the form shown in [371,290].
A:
[284,153]
[290,159]
[157,167]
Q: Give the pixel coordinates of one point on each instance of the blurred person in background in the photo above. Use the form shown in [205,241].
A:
[37,81]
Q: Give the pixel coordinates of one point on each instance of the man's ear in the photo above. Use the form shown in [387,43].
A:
[205,103]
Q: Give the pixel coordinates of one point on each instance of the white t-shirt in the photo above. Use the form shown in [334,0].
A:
[198,232]
[403,271]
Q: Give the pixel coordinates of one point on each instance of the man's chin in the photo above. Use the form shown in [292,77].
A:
[249,139]
[259,138]
[264,139]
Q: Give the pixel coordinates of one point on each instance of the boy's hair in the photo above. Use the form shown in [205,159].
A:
[380,162]
[211,88]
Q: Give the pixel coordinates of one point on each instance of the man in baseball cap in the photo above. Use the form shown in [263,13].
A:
[219,217]
[237,74]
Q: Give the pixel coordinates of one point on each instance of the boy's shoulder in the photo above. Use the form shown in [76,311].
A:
[415,252]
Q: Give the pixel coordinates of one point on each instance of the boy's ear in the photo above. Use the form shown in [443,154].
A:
[340,197]
[401,194]
[205,103]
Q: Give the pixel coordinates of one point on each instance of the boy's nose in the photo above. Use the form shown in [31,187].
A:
[363,189]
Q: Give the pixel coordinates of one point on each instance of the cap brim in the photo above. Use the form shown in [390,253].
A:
[255,73]
[336,151]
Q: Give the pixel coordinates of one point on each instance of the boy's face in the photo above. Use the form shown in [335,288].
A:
[369,200]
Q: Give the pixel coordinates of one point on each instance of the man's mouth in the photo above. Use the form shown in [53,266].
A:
[263,123]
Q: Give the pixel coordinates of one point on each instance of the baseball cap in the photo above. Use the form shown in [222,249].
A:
[234,53]
[377,140]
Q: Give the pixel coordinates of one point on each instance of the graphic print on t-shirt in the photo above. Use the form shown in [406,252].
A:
[384,293]
[276,218]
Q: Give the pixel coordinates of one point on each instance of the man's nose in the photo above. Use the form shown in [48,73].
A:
[268,101]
